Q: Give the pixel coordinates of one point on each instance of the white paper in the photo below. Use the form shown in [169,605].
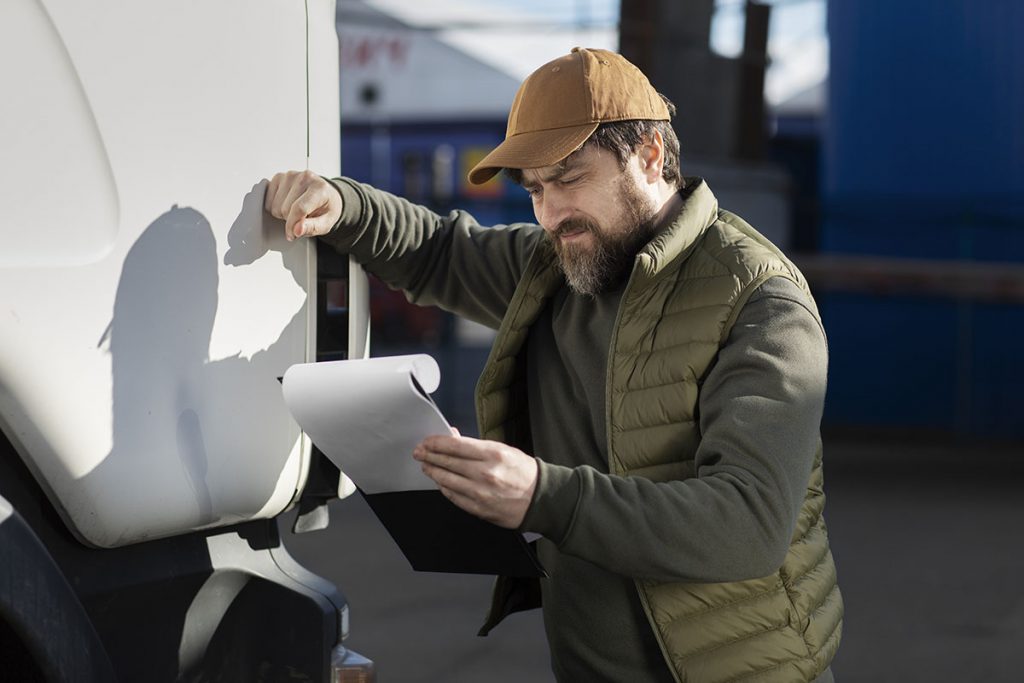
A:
[367,416]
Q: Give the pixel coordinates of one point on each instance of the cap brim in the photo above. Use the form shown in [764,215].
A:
[531,150]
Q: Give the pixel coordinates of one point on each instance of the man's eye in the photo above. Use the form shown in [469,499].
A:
[569,181]
[533,191]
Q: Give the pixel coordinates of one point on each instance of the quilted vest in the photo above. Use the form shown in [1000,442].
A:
[686,289]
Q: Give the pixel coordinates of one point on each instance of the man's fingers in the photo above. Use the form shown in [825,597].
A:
[449,479]
[464,446]
[456,464]
[486,478]
[306,216]
[305,201]
[460,491]
[291,211]
[282,189]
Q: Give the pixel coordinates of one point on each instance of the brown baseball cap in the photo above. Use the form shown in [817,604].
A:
[562,103]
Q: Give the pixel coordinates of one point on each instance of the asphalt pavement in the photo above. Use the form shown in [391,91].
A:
[926,533]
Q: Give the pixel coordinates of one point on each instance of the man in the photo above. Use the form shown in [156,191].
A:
[652,401]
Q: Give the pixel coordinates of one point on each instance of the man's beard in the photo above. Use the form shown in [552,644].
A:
[598,268]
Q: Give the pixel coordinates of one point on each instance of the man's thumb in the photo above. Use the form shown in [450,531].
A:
[310,227]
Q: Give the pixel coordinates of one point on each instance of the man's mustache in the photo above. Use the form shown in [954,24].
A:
[571,225]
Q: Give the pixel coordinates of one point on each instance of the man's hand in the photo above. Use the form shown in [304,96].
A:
[308,204]
[485,478]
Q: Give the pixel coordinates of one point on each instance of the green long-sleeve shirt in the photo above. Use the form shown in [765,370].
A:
[759,409]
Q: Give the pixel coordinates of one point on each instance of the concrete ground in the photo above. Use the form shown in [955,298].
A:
[927,538]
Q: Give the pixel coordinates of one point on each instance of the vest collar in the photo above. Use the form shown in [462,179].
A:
[681,233]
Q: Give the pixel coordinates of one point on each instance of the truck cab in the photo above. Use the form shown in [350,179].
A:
[148,306]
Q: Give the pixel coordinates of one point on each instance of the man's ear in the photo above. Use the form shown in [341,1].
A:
[652,156]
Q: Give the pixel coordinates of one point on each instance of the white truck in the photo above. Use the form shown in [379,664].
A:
[148,306]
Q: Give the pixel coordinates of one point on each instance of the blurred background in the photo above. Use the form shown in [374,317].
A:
[881,144]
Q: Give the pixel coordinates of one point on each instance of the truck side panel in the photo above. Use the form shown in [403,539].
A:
[147,303]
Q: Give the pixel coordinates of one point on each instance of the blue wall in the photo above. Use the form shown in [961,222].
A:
[924,158]
[927,100]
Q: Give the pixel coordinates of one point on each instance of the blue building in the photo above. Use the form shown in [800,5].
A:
[923,192]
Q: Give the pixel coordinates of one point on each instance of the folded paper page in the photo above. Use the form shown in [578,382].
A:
[367,416]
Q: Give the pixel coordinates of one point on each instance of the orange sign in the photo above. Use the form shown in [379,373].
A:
[468,158]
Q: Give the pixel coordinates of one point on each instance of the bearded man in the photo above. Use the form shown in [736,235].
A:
[652,401]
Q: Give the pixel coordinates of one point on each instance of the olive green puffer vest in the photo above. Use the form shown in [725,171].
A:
[685,292]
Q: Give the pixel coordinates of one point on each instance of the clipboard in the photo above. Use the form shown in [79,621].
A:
[366,416]
[435,535]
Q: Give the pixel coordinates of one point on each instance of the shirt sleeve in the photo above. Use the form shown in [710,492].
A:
[760,412]
[448,261]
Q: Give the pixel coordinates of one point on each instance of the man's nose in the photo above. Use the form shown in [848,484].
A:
[552,211]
